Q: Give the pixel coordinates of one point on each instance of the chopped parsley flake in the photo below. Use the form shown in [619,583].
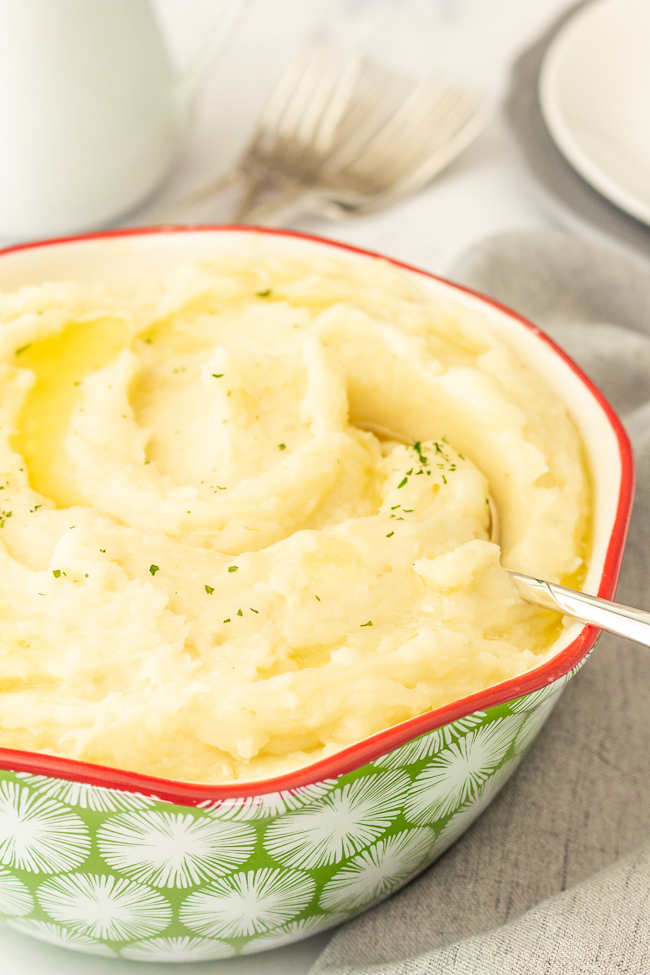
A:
[103,550]
[239,612]
[317,597]
[443,461]
[56,573]
[3,517]
[22,349]
[282,446]
[402,482]
[217,375]
[395,506]
[263,294]
[232,568]
[417,447]
[369,623]
[35,508]
[253,610]
[390,534]
[153,569]
[209,590]
[227,621]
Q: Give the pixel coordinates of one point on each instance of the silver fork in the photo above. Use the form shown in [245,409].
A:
[341,135]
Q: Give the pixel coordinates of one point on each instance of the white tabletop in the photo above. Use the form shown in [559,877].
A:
[486,191]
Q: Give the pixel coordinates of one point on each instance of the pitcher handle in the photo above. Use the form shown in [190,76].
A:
[188,83]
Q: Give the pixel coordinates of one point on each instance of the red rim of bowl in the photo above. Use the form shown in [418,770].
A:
[369,749]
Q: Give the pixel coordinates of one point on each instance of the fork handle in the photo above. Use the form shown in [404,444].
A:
[248,209]
[614,617]
[178,210]
[290,200]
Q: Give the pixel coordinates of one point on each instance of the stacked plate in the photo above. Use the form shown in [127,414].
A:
[580,104]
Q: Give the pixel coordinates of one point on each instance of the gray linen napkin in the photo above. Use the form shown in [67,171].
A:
[554,878]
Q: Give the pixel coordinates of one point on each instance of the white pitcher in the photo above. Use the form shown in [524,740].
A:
[91,113]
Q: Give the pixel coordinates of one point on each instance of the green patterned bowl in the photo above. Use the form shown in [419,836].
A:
[120,864]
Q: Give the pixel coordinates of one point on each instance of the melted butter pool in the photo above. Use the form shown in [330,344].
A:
[59,364]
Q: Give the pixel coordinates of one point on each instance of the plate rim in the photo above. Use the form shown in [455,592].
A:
[555,121]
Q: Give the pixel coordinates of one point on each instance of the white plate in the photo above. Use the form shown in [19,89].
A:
[595,96]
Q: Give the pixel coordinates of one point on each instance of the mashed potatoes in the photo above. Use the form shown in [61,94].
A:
[209,569]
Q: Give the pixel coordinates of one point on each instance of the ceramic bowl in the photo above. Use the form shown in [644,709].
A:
[120,864]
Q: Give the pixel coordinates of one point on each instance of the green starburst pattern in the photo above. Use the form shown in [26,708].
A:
[116,874]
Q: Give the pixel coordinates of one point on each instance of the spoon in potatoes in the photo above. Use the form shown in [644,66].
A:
[634,624]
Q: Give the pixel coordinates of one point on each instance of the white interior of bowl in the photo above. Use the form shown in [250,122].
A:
[139,257]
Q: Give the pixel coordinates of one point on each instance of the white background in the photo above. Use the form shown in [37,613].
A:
[486,191]
[470,41]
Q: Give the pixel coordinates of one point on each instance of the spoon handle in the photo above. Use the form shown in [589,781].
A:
[622,620]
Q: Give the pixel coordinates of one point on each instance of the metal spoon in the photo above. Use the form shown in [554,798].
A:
[615,617]
[634,624]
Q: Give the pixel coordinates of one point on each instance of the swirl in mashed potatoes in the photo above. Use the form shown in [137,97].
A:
[210,570]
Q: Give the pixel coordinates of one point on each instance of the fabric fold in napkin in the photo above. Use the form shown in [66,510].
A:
[554,877]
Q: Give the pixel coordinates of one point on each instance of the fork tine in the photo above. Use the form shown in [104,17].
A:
[339,101]
[429,166]
[329,77]
[289,82]
[422,115]
[423,140]
[302,99]
[377,99]
[296,94]
[277,101]
[323,73]
[426,120]
[309,119]
[304,109]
